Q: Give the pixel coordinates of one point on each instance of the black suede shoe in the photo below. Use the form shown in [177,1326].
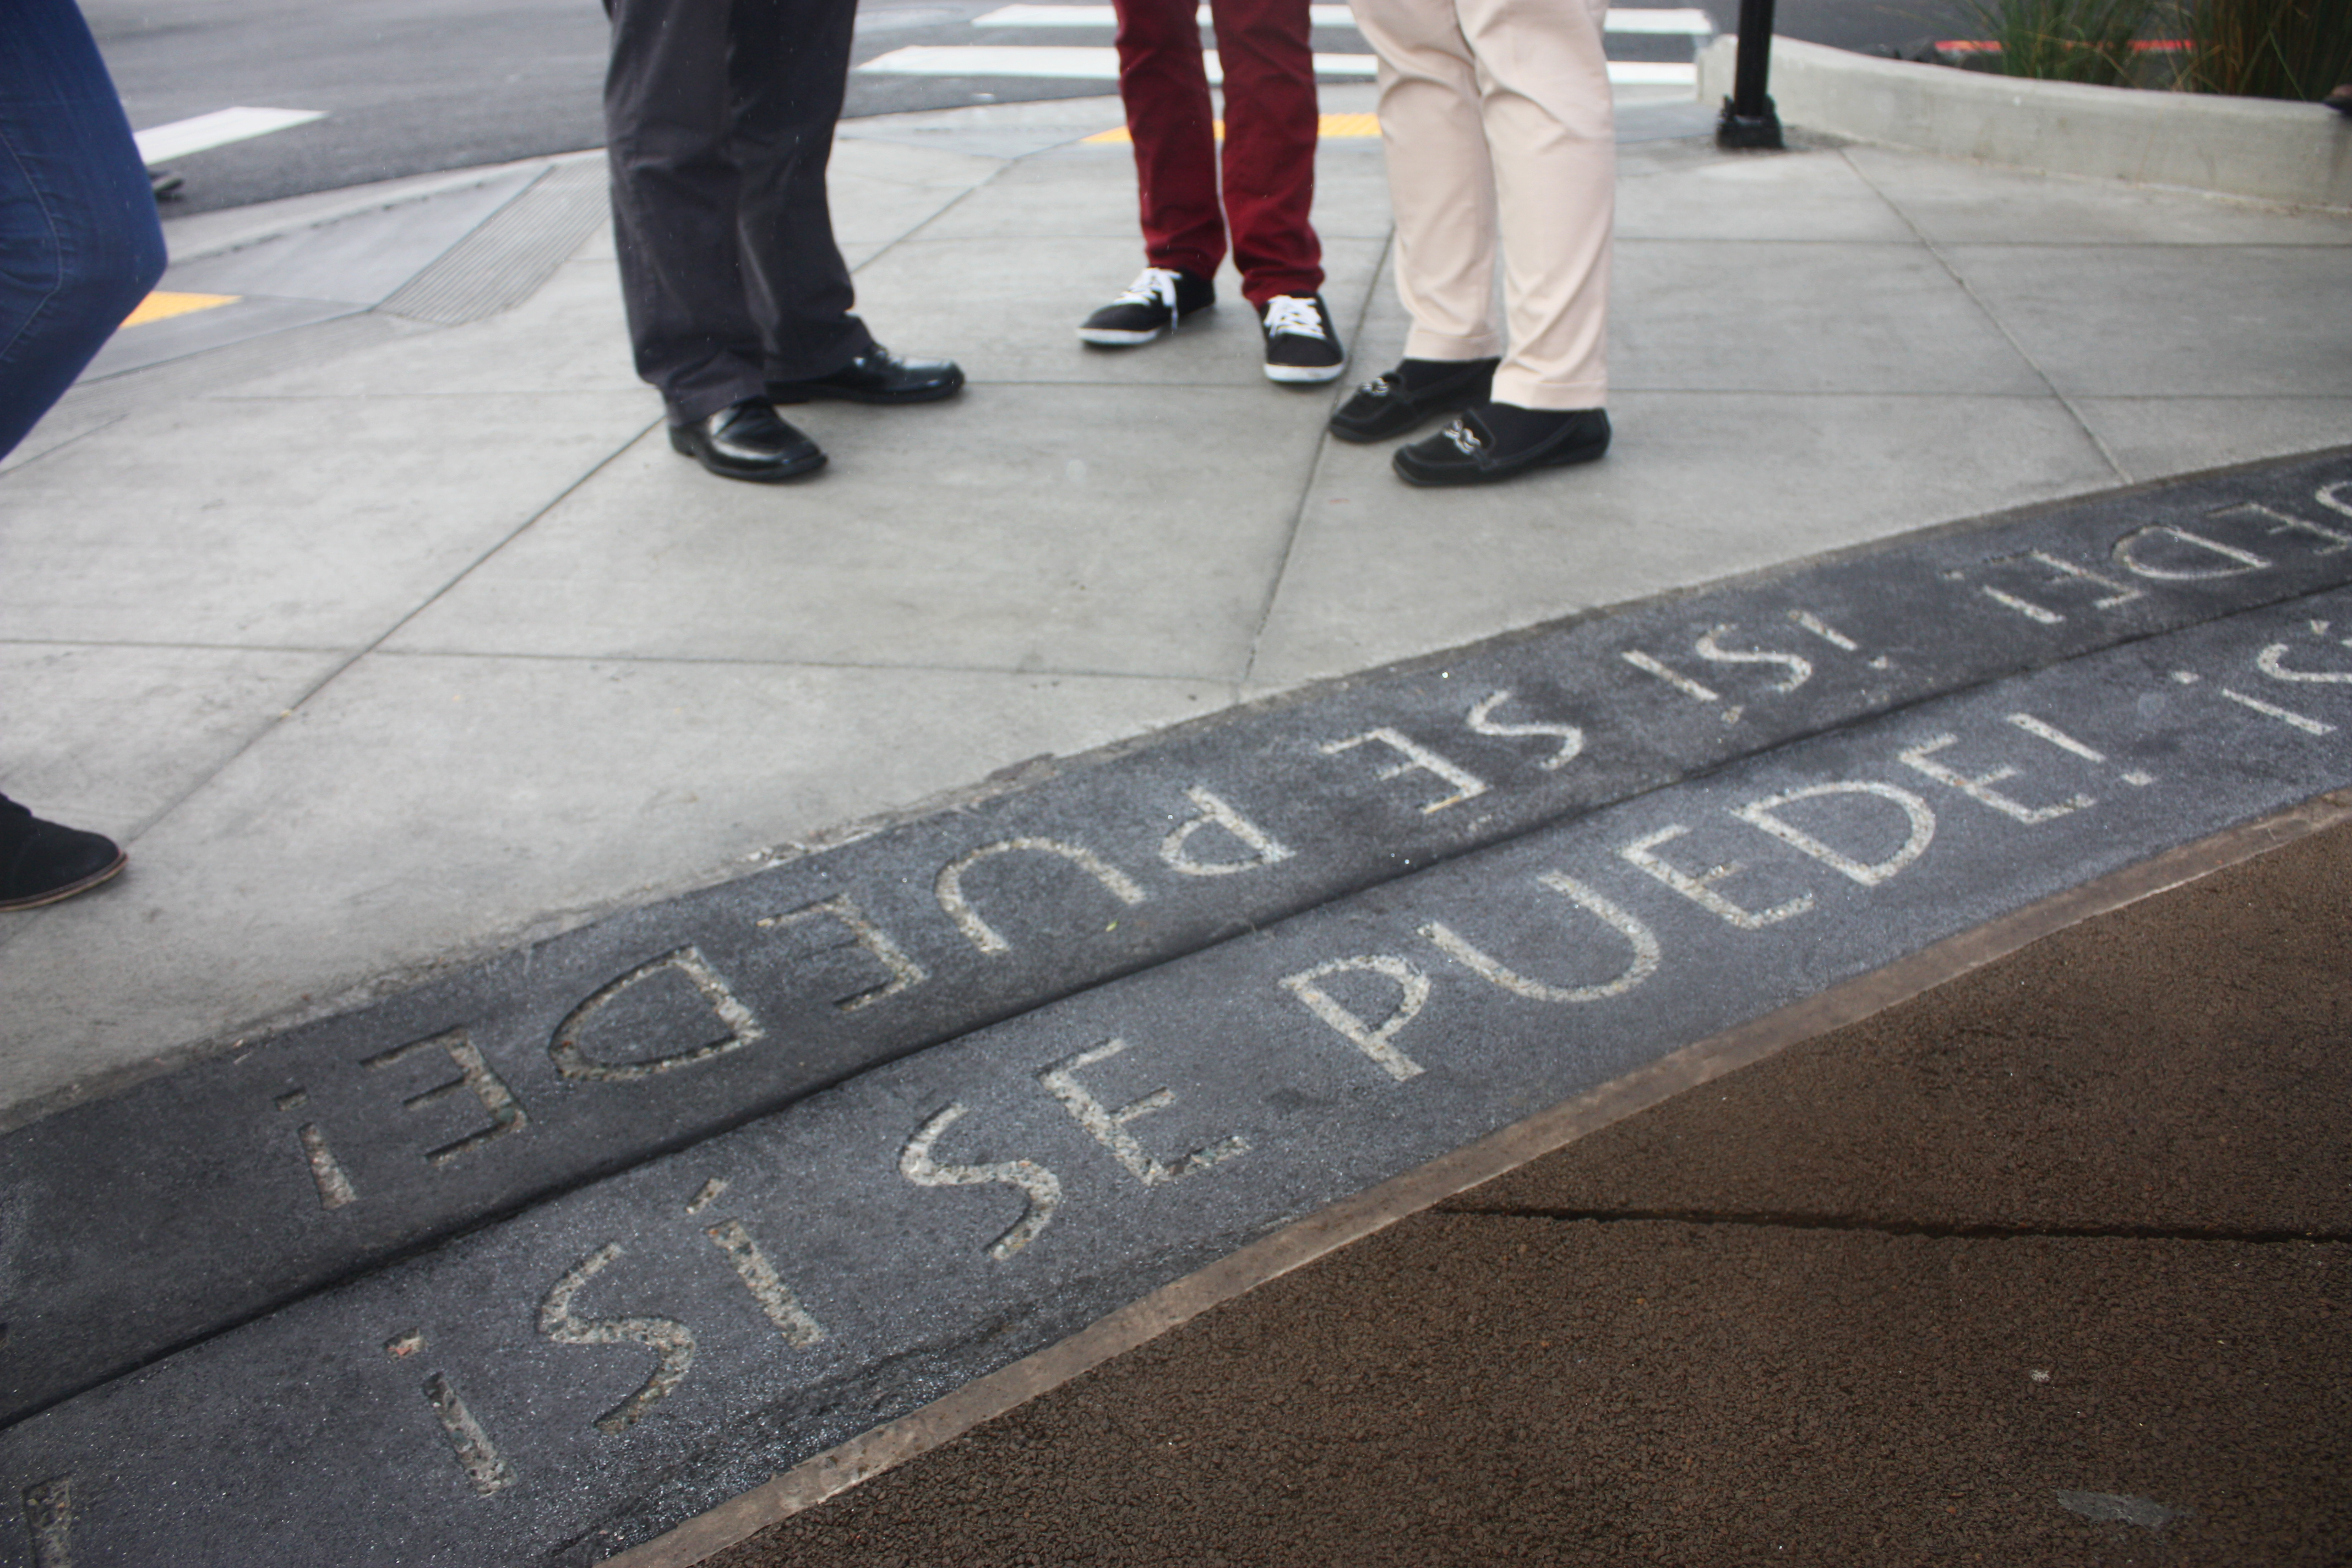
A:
[1496,440]
[41,862]
[746,440]
[1392,404]
[877,376]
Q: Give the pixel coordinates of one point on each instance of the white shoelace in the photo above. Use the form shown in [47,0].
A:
[1156,286]
[1289,313]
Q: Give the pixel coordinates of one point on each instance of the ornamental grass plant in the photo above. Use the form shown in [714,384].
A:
[2269,48]
[2248,48]
[2067,40]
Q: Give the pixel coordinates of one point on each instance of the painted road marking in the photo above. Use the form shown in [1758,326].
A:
[1669,21]
[162,306]
[162,143]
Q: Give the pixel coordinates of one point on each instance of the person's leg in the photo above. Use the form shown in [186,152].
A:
[1164,83]
[667,120]
[789,74]
[1270,135]
[1441,185]
[79,243]
[1552,136]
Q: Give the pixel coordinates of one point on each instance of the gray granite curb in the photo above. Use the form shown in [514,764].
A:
[2296,153]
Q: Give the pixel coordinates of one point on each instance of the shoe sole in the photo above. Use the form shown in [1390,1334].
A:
[1305,375]
[1111,338]
[57,894]
[765,474]
[1567,457]
[782,396]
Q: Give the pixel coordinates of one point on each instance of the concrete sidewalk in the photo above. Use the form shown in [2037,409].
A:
[387,639]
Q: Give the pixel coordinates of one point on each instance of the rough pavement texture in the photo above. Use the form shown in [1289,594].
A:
[2047,1266]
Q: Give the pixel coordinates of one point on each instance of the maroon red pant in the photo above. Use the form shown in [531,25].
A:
[1269,157]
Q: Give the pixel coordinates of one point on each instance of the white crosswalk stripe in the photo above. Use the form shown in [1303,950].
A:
[162,143]
[1068,62]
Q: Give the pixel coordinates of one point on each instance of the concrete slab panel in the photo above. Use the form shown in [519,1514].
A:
[1814,196]
[111,737]
[201,521]
[195,235]
[1014,529]
[361,259]
[1009,309]
[569,337]
[1079,192]
[2189,321]
[871,208]
[894,162]
[2155,436]
[179,337]
[308,868]
[1954,201]
[1695,487]
[1828,317]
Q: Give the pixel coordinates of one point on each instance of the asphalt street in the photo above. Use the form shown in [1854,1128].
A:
[411,86]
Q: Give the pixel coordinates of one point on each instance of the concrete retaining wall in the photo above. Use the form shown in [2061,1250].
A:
[2298,153]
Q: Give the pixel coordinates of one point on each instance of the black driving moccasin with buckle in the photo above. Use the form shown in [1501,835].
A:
[1498,440]
[1395,401]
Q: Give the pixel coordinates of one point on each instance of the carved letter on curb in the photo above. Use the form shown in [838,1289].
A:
[1109,1127]
[1640,967]
[473,1073]
[949,887]
[741,1028]
[1413,990]
[669,1339]
[1038,1186]
[1762,814]
[1263,847]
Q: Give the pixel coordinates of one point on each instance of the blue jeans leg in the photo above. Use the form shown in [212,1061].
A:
[80,243]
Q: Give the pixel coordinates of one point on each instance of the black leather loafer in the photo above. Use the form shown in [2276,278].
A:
[41,862]
[746,440]
[1386,406]
[877,376]
[1497,441]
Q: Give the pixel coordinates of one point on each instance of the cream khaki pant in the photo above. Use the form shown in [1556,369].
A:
[1497,118]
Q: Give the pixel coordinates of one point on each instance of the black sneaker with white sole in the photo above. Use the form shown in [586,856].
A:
[1151,307]
[1302,347]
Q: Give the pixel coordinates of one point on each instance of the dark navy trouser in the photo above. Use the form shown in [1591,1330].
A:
[79,245]
[719,116]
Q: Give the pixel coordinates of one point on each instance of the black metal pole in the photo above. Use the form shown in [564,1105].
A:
[1749,118]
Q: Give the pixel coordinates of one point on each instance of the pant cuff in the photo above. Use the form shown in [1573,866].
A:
[1421,343]
[1523,390]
